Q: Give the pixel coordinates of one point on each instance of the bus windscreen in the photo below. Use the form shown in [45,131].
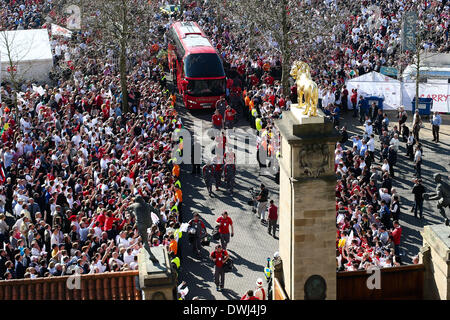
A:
[203,65]
[205,88]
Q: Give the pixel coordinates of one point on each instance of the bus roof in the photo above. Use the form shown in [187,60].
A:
[193,38]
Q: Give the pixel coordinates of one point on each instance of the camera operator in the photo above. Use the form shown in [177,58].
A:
[262,198]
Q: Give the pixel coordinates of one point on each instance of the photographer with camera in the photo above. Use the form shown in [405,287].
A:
[262,198]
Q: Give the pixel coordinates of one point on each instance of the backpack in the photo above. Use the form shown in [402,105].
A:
[216,234]
[228,266]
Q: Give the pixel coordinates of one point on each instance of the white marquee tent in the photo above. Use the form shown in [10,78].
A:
[376,84]
[30,52]
[396,93]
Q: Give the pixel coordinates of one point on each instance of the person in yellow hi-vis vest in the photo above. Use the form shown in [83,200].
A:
[258,124]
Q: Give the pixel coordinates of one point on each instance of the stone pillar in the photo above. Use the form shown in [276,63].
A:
[435,255]
[307,212]
[157,282]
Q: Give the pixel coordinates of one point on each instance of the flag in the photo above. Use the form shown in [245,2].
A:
[60,31]
[409,30]
[2,174]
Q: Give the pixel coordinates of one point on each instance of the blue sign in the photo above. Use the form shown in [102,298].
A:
[389,71]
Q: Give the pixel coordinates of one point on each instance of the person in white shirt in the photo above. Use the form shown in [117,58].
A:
[371,146]
[385,166]
[115,259]
[128,256]
[395,142]
[368,128]
[18,207]
[121,240]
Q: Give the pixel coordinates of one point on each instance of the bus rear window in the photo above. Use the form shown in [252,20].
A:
[203,65]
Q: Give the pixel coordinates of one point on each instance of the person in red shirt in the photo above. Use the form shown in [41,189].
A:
[217,120]
[109,220]
[229,117]
[273,217]
[249,296]
[281,102]
[224,222]
[254,80]
[268,79]
[396,234]
[354,100]
[220,257]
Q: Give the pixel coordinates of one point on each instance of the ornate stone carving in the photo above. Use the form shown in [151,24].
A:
[314,159]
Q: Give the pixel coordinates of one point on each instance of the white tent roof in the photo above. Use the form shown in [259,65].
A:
[373,77]
[25,45]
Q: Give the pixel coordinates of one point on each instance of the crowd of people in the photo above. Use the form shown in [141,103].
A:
[73,161]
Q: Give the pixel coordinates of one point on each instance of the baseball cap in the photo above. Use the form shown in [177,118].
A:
[259,282]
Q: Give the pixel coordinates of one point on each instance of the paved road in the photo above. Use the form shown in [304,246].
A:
[436,159]
[251,244]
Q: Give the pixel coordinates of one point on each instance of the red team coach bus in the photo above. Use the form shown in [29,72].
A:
[195,65]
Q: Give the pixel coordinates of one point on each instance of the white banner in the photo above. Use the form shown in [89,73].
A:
[390,91]
[439,92]
[60,31]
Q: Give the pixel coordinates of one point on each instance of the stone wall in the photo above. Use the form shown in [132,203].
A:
[307,216]
[435,255]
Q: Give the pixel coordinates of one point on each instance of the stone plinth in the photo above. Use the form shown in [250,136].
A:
[307,214]
[435,255]
[157,282]
[297,113]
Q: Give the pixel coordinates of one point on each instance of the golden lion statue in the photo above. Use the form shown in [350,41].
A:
[306,88]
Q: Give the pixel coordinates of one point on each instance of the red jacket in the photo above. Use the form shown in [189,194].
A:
[245,297]
[273,212]
[396,234]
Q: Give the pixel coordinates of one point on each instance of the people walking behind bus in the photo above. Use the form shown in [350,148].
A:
[262,198]
[208,176]
[217,120]
[224,222]
[200,229]
[220,257]
[230,115]
[218,166]
[221,106]
[229,173]
[436,122]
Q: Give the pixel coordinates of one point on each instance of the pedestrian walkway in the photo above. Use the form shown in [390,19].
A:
[436,159]
[251,245]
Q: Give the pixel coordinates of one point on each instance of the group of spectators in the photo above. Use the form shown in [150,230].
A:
[73,161]
[368,210]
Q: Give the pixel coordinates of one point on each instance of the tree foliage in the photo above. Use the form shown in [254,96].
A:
[291,28]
